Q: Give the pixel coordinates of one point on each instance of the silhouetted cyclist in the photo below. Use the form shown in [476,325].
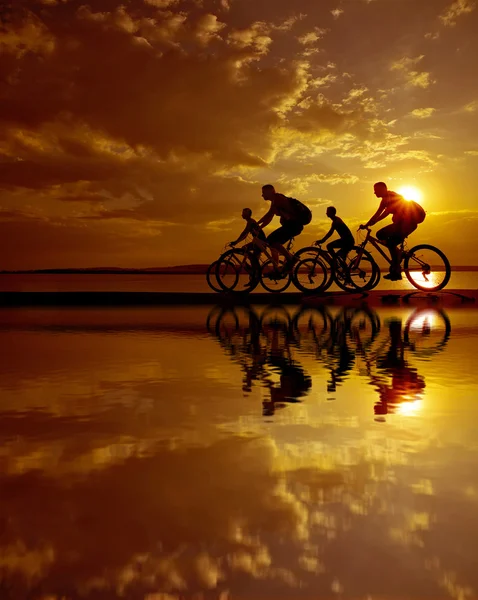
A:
[405,218]
[346,241]
[293,216]
[252,227]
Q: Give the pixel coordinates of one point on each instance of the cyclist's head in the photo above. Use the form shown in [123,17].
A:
[331,211]
[268,191]
[380,189]
[246,213]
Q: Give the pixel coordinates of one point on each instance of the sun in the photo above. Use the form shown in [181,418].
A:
[410,193]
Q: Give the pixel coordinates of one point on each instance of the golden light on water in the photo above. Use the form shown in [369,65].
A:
[409,192]
[409,407]
[424,322]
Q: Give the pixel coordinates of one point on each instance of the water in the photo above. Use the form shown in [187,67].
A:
[170,283]
[196,452]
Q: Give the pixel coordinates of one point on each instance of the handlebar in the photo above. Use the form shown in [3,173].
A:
[364,228]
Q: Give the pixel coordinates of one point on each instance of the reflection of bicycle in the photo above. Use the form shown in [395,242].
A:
[425,333]
[263,349]
[425,266]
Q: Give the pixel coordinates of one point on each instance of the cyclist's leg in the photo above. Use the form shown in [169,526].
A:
[335,244]
[391,235]
[282,235]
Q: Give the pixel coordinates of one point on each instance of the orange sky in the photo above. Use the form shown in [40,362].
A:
[133,133]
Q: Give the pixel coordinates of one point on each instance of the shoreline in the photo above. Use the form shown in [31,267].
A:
[463,297]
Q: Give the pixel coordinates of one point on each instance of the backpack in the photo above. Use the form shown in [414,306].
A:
[416,212]
[303,212]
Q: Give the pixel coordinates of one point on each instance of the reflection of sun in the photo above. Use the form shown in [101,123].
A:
[410,407]
[424,322]
[410,193]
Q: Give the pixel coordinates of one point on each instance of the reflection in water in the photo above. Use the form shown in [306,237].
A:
[256,343]
[262,347]
[135,462]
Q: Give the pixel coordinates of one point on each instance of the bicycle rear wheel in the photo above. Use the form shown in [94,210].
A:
[427,268]
[237,271]
[275,278]
[211,277]
[310,275]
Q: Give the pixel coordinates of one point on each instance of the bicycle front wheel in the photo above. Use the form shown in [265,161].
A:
[310,252]
[275,278]
[310,275]
[427,268]
[237,271]
[360,273]
[211,277]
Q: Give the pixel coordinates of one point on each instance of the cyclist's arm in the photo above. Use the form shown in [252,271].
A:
[242,236]
[267,218]
[328,234]
[380,214]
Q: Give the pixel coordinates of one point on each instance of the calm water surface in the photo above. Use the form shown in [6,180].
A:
[163,454]
[172,283]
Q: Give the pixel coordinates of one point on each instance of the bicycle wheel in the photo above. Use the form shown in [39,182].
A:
[211,277]
[237,271]
[362,326]
[313,324]
[275,279]
[310,275]
[427,268]
[312,252]
[427,331]
[358,274]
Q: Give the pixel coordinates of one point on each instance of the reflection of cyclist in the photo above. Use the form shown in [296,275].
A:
[293,216]
[256,346]
[346,241]
[405,221]
[252,228]
[293,380]
[406,384]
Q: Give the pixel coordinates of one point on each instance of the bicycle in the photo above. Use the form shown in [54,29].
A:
[211,278]
[337,271]
[241,269]
[425,266]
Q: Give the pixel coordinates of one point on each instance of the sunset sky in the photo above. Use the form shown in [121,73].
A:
[133,133]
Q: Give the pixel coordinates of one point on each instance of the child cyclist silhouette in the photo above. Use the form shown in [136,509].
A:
[253,228]
[346,241]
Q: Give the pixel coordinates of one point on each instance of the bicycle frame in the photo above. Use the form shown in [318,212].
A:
[265,249]
[376,243]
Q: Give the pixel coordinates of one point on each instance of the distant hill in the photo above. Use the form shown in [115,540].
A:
[176,270]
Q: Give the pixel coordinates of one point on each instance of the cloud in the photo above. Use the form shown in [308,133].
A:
[27,36]
[337,12]
[422,113]
[161,3]
[413,78]
[471,107]
[311,37]
[455,10]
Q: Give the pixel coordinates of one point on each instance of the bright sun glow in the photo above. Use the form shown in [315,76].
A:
[411,408]
[410,193]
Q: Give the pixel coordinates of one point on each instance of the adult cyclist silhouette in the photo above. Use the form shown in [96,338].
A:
[406,215]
